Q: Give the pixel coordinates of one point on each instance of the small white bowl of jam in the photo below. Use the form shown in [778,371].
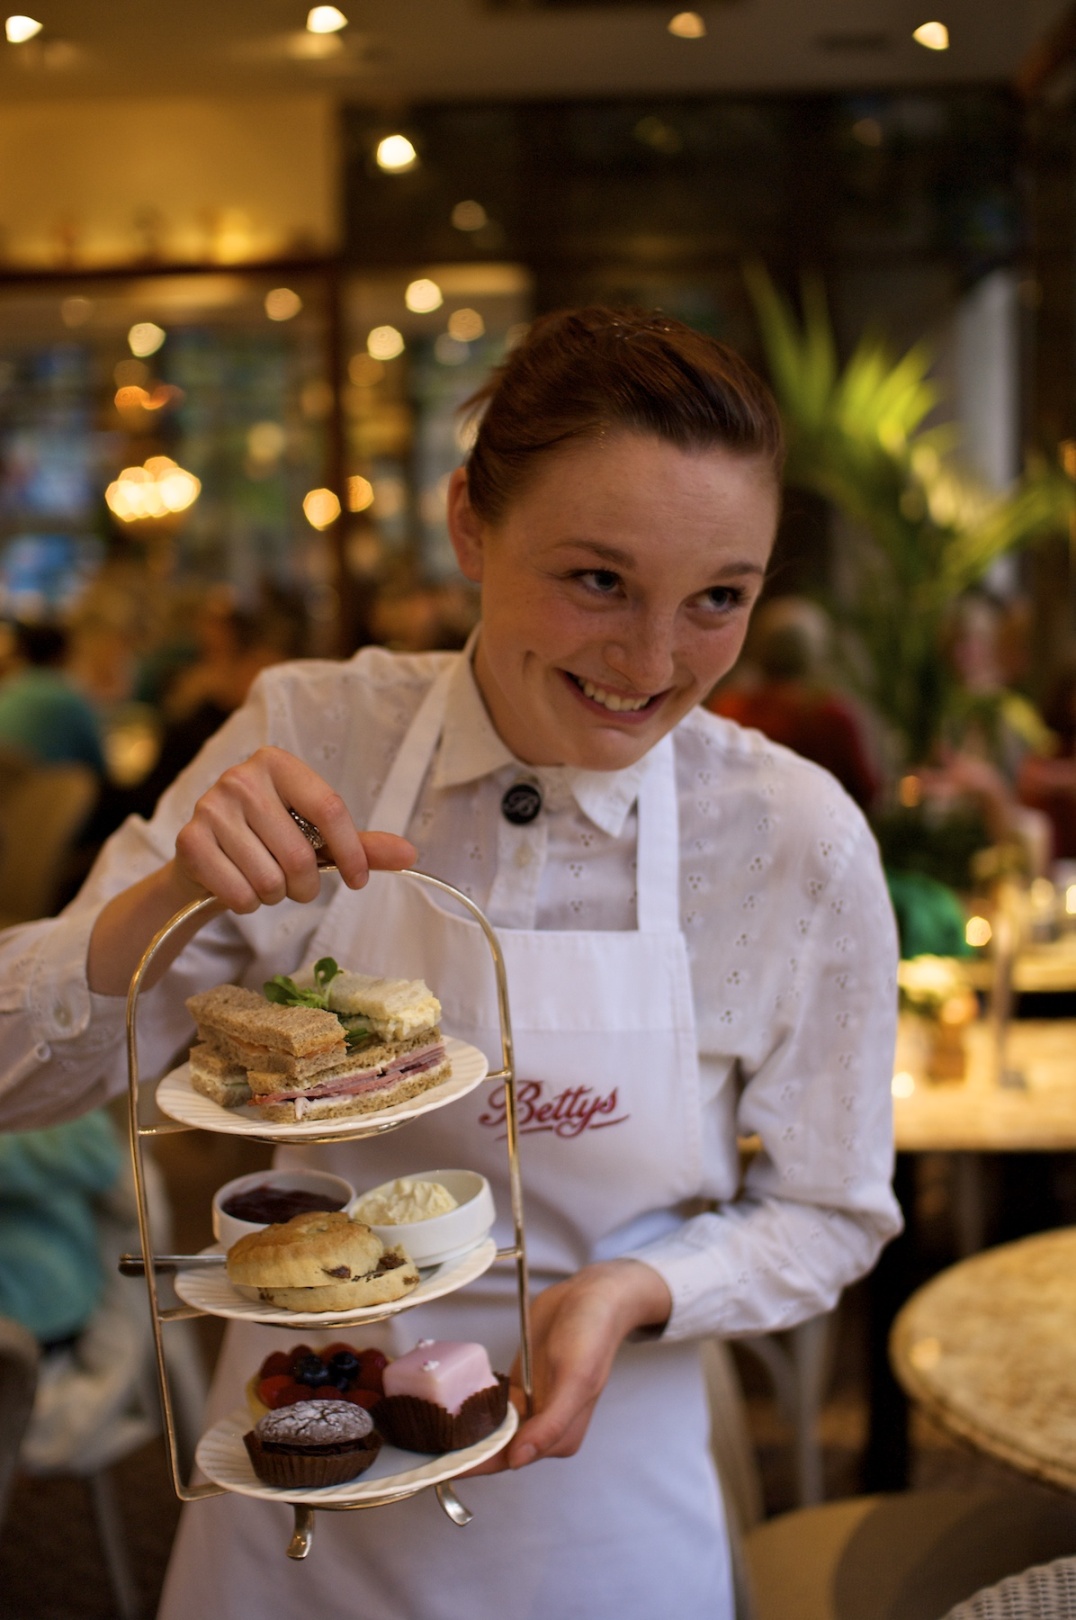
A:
[269,1196]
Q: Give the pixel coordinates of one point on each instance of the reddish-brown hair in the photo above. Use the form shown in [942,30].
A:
[585,372]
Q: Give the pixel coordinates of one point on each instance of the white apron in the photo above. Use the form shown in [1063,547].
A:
[611,1140]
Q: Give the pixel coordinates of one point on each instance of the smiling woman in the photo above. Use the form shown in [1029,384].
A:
[697,941]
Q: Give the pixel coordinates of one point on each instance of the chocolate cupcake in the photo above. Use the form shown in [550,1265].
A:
[312,1443]
[441,1396]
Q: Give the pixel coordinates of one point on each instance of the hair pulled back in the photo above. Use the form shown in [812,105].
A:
[579,374]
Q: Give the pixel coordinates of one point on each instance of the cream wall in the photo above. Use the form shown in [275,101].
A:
[187,178]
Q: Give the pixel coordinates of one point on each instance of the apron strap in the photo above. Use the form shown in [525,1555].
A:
[658,853]
[399,794]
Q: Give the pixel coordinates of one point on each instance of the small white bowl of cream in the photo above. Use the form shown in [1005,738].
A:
[437,1215]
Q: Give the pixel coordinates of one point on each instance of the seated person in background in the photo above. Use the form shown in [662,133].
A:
[51,1275]
[42,713]
[1048,783]
[791,702]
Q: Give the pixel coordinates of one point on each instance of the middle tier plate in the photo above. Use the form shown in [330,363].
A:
[210,1291]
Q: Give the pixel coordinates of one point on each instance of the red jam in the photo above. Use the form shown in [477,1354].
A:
[266,1205]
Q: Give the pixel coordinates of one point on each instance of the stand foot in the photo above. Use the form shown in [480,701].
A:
[451,1504]
[303,1535]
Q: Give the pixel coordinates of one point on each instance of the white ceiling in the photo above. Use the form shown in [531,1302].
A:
[400,50]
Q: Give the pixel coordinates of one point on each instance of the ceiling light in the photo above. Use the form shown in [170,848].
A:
[321,508]
[396,154]
[469,216]
[687,25]
[385,343]
[145,338]
[423,296]
[933,35]
[20,29]
[360,494]
[465,325]
[325,20]
[282,304]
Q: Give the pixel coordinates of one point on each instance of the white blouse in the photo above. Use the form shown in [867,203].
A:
[783,905]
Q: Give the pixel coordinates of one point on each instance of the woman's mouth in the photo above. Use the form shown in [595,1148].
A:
[612,702]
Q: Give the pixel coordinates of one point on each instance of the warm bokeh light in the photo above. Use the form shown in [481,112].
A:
[687,25]
[360,494]
[465,325]
[159,489]
[364,370]
[266,442]
[903,1084]
[385,343]
[325,20]
[396,154]
[1070,900]
[469,215]
[20,29]
[978,932]
[423,295]
[909,791]
[75,311]
[933,35]
[145,338]
[282,304]
[321,508]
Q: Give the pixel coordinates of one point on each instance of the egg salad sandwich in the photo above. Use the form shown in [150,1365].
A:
[325,1044]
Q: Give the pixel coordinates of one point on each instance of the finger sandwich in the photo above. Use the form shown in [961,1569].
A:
[377,1043]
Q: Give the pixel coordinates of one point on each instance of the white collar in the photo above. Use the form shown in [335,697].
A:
[470,749]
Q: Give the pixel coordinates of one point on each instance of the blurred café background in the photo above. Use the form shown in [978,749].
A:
[253,262]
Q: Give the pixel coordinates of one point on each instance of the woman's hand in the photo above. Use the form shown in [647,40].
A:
[577,1327]
[242,846]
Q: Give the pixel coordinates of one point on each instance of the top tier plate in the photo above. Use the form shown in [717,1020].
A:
[177,1098]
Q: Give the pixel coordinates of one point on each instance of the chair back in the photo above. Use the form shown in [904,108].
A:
[41,812]
[18,1380]
[1045,1592]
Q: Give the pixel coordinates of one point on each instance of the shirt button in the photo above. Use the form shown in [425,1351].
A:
[61,1015]
[524,855]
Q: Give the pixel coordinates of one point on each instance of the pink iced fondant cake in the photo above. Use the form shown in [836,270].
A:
[443,1371]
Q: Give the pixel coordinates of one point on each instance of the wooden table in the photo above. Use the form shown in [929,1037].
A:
[988,1349]
[976,1115]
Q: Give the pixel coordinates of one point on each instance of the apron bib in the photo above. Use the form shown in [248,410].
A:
[610,1132]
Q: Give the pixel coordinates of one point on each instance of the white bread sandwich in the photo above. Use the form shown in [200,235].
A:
[299,1052]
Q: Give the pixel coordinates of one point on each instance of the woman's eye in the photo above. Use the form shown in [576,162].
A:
[723,598]
[600,580]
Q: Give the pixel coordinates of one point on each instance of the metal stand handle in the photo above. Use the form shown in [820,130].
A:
[301,1541]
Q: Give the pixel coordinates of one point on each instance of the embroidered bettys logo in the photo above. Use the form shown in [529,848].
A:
[566,1114]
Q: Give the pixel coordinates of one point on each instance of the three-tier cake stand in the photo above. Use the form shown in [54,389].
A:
[363,1493]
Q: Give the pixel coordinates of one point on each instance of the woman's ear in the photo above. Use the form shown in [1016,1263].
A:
[466,529]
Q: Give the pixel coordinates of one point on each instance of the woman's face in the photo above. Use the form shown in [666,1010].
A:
[616,592]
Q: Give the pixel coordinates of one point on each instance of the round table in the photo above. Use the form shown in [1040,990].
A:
[988,1349]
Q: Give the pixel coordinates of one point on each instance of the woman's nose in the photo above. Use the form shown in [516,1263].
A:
[644,660]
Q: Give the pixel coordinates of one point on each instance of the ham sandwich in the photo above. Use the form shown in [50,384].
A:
[377,1043]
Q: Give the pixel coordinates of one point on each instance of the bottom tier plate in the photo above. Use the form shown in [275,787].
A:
[222,1457]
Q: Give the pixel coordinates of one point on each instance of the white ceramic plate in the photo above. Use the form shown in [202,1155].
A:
[222,1457]
[177,1098]
[210,1291]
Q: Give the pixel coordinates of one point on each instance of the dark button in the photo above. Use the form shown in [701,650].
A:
[521,803]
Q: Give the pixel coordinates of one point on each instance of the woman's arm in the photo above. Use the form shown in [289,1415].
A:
[242,846]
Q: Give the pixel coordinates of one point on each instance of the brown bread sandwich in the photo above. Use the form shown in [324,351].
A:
[344,1043]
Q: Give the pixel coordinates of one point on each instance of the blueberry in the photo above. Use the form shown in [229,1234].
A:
[311,1371]
[339,1377]
[345,1362]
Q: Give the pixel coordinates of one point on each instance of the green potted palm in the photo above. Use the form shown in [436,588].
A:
[922,531]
